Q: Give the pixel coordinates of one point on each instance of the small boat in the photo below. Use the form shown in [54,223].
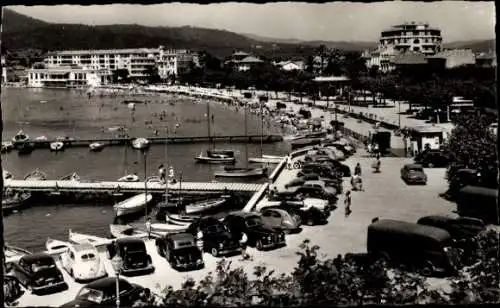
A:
[216,157]
[56,247]
[96,146]
[129,178]
[180,220]
[71,177]
[273,157]
[7,146]
[81,238]
[203,206]
[161,228]
[13,254]
[6,175]
[15,201]
[132,205]
[64,138]
[154,179]
[43,102]
[36,175]
[57,146]
[242,173]
[140,143]
[25,148]
[126,231]
[302,143]
[20,137]
[41,138]
[263,160]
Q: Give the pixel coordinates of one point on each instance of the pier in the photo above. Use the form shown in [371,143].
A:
[49,186]
[69,143]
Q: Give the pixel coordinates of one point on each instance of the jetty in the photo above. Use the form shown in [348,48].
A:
[121,141]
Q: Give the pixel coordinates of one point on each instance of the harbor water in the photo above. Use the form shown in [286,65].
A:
[71,113]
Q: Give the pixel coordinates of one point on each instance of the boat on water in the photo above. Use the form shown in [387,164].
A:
[36,175]
[6,175]
[154,179]
[180,220]
[81,238]
[126,231]
[13,201]
[165,228]
[132,205]
[57,146]
[263,160]
[56,247]
[71,177]
[140,143]
[25,148]
[96,146]
[20,137]
[7,146]
[216,157]
[13,254]
[242,172]
[202,206]
[41,138]
[129,178]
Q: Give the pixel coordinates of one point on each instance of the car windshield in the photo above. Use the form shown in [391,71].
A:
[42,265]
[215,229]
[253,221]
[88,257]
[416,169]
[91,295]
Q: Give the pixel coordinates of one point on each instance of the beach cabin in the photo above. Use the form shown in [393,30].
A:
[426,136]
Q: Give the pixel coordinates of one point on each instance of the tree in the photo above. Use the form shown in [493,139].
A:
[121,75]
[152,75]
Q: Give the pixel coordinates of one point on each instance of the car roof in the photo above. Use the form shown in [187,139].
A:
[437,218]
[476,190]
[84,247]
[127,240]
[181,236]
[414,166]
[247,214]
[37,256]
[282,212]
[103,283]
[408,227]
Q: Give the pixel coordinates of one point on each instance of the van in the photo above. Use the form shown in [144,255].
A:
[426,249]
[479,202]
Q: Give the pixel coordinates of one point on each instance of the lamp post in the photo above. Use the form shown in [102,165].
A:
[117,263]
[144,153]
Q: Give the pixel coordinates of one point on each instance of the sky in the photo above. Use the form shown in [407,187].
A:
[336,21]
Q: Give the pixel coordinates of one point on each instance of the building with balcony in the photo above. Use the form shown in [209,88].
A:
[399,39]
[69,76]
[242,61]
[452,58]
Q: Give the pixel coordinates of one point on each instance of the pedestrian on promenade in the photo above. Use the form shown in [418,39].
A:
[162,173]
[357,169]
[148,227]
[347,203]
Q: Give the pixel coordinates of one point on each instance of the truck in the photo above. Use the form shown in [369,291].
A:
[382,139]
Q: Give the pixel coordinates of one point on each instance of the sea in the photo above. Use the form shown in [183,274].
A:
[73,113]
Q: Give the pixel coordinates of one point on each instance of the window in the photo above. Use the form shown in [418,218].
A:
[416,41]
[416,48]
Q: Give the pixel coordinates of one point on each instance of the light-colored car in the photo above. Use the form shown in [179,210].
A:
[413,174]
[305,204]
[280,219]
[83,263]
[321,184]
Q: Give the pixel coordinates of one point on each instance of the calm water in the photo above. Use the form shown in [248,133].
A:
[72,113]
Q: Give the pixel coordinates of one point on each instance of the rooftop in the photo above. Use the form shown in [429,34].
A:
[453,52]
[427,129]
[104,51]
[250,59]
[409,58]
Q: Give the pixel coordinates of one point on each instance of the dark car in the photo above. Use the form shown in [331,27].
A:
[310,216]
[102,293]
[12,289]
[136,260]
[258,235]
[215,236]
[478,202]
[432,159]
[459,228]
[339,147]
[413,174]
[321,169]
[344,169]
[461,178]
[313,192]
[181,251]
[39,274]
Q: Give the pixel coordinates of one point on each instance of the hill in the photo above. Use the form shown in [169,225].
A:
[476,45]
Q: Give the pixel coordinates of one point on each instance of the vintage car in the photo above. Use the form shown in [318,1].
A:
[325,159]
[257,233]
[309,215]
[39,274]
[460,228]
[136,260]
[83,263]
[328,190]
[413,174]
[102,293]
[180,250]
[215,236]
[320,169]
[432,159]
[281,220]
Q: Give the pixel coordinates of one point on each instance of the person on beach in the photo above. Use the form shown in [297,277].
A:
[347,203]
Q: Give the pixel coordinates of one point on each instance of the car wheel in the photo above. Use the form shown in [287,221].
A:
[427,269]
[214,252]
[258,245]
[310,222]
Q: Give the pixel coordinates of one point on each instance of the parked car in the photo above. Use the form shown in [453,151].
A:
[321,169]
[432,159]
[460,228]
[39,274]
[328,190]
[180,250]
[310,216]
[323,159]
[311,191]
[426,249]
[462,178]
[136,260]
[102,293]
[320,204]
[339,147]
[479,202]
[83,263]
[217,239]
[258,234]
[413,174]
[281,220]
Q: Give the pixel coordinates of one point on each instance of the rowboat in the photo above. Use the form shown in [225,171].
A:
[24,148]
[41,138]
[36,175]
[242,172]
[126,231]
[56,247]
[129,178]
[180,220]
[154,179]
[57,146]
[71,177]
[216,157]
[263,160]
[140,143]
[20,137]
[81,238]
[13,254]
[14,202]
[161,228]
[96,146]
[203,206]
[132,205]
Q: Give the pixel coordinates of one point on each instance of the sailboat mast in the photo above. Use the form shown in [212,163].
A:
[208,126]
[246,135]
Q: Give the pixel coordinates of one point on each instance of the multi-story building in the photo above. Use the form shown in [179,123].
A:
[451,58]
[68,76]
[486,59]
[242,61]
[138,61]
[414,37]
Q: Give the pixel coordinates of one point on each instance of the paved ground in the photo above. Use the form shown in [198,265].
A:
[385,196]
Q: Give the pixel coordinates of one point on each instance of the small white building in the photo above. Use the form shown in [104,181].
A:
[291,65]
[68,77]
[4,70]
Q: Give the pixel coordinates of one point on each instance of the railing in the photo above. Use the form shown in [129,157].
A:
[256,198]
[277,171]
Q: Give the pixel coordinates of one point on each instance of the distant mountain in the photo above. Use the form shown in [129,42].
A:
[272,40]
[20,22]
[475,45]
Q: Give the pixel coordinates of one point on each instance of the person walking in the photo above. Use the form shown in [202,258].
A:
[162,173]
[148,227]
[357,169]
[347,203]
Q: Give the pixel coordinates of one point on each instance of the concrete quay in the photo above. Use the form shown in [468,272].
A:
[385,196]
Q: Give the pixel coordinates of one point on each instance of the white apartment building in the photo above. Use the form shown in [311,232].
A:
[138,61]
[414,37]
[68,77]
[4,70]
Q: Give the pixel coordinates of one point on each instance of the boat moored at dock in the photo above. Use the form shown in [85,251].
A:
[203,206]
[96,146]
[20,138]
[132,205]
[129,178]
[217,157]
[56,247]
[141,143]
[36,175]
[57,146]
[241,172]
